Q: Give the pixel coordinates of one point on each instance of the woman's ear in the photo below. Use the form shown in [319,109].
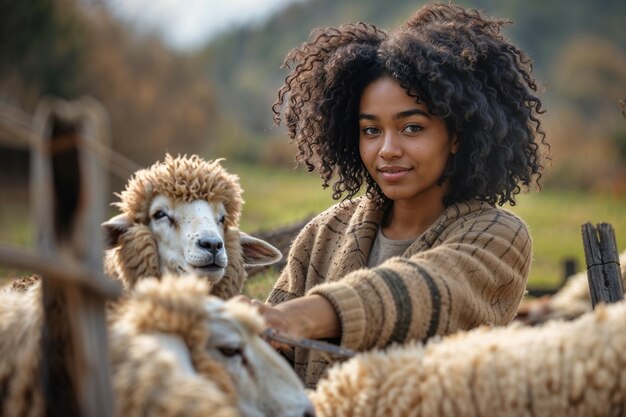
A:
[454,144]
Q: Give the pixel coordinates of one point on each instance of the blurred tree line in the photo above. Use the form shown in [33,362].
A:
[217,101]
[157,99]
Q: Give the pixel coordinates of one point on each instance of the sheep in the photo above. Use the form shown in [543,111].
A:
[174,350]
[212,337]
[179,216]
[569,302]
[574,368]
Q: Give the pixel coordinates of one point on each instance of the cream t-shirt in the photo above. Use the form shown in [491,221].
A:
[384,248]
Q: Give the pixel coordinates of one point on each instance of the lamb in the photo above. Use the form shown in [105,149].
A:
[182,216]
[575,368]
[174,349]
[569,302]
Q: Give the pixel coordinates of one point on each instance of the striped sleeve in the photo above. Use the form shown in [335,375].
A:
[476,274]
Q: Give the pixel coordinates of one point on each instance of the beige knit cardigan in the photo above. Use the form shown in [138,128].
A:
[470,267]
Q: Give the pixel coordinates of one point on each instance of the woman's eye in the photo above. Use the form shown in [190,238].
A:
[413,128]
[230,351]
[369,131]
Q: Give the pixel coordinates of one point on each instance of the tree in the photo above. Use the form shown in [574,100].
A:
[41,47]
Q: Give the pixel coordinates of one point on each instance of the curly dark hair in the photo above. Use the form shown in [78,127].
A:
[453,60]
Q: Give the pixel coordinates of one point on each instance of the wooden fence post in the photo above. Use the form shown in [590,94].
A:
[68,201]
[603,268]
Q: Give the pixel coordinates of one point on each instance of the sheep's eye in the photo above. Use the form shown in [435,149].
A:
[159,214]
[229,351]
[222,219]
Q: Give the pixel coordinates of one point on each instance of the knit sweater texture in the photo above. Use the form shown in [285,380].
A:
[469,268]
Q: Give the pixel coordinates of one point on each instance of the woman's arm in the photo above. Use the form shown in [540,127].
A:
[474,274]
[311,317]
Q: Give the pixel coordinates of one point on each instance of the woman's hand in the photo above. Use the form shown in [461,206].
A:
[274,317]
[310,317]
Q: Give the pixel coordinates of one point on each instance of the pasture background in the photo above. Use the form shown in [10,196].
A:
[216,101]
[278,197]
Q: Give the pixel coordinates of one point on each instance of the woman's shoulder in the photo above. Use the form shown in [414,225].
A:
[476,216]
[342,211]
[481,218]
[341,217]
[481,210]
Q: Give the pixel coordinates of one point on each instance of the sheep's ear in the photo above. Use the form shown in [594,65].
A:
[113,228]
[257,252]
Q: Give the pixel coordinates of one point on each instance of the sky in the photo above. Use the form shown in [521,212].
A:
[189,24]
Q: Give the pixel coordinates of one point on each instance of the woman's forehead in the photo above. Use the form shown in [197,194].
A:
[386,95]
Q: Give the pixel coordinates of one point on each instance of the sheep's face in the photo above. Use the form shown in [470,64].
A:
[266,384]
[202,338]
[190,237]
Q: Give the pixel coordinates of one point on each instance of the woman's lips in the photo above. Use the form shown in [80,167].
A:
[394,173]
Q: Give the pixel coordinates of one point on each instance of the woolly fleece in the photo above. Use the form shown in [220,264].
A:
[173,305]
[575,368]
[185,179]
[145,380]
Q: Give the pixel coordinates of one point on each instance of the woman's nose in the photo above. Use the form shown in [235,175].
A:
[391,147]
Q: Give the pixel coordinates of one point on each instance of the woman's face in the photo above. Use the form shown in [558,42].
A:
[404,148]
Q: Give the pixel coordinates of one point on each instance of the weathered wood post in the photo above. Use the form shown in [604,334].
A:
[68,190]
[603,268]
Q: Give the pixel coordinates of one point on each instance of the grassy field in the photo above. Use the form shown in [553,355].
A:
[555,220]
[279,197]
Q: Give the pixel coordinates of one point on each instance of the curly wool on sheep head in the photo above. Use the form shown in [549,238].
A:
[174,350]
[183,179]
[211,339]
[182,216]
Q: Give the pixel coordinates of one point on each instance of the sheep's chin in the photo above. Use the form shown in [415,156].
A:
[212,274]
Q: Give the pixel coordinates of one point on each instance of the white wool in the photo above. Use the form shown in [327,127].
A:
[164,355]
[559,369]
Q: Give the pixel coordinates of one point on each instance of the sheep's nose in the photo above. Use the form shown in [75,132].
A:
[211,244]
[309,412]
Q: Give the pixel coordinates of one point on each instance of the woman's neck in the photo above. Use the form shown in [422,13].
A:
[404,220]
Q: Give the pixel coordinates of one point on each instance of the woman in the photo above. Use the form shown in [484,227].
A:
[438,122]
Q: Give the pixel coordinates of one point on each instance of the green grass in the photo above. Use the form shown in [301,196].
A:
[260,285]
[16,230]
[278,196]
[555,220]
